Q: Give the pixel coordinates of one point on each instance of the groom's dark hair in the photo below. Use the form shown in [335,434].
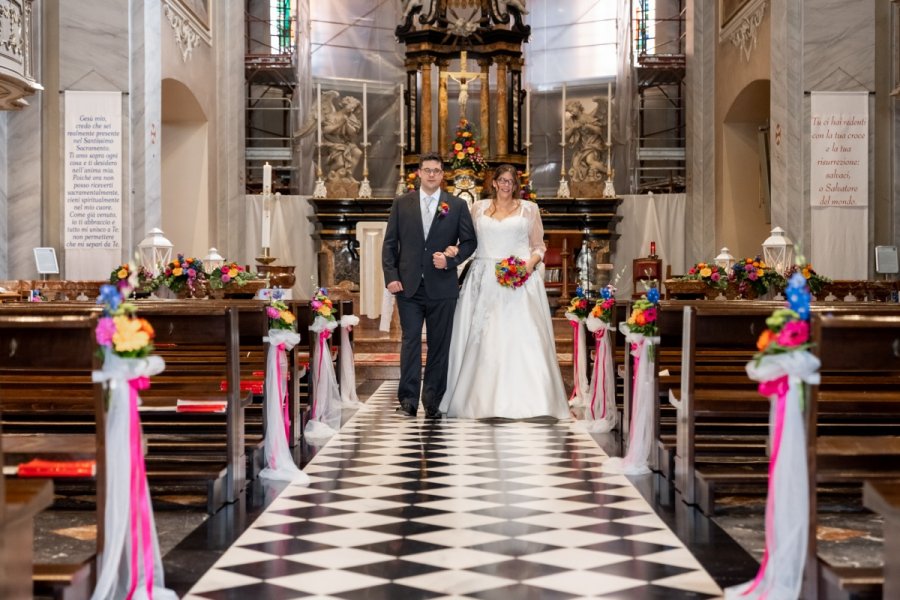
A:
[423,158]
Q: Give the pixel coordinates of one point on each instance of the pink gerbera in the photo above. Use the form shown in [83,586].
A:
[793,333]
[106,328]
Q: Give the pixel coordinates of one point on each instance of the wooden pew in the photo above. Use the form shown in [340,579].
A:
[883,497]
[44,347]
[860,375]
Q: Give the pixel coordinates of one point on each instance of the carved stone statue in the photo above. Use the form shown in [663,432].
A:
[585,136]
[503,6]
[341,126]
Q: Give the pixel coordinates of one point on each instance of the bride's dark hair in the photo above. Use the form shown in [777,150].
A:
[505,168]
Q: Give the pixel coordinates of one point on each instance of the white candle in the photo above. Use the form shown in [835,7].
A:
[609,112]
[319,113]
[564,113]
[401,117]
[266,222]
[365,118]
[267,178]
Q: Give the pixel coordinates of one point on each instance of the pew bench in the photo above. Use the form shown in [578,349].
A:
[867,347]
[26,342]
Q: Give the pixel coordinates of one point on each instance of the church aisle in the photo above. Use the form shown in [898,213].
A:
[407,508]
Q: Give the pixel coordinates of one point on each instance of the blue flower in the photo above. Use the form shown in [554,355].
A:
[798,295]
[110,296]
[277,293]
[653,295]
[579,291]
[606,293]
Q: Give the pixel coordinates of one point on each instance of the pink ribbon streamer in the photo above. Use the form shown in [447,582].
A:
[779,388]
[323,336]
[599,339]
[140,505]
[575,326]
[282,395]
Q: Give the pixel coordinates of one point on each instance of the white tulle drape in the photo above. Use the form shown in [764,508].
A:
[579,362]
[780,575]
[325,412]
[349,399]
[600,414]
[279,461]
[640,432]
[130,566]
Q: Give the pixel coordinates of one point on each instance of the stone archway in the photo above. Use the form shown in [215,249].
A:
[742,212]
[185,167]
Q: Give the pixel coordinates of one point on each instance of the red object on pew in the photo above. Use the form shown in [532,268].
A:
[199,406]
[252,385]
[58,468]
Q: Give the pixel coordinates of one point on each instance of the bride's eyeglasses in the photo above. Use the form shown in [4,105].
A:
[504,181]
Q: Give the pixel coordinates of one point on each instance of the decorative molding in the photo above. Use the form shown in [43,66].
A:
[743,29]
[189,30]
[16,80]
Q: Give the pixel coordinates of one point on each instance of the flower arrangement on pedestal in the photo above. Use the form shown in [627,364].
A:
[710,273]
[229,274]
[184,274]
[464,150]
[815,281]
[526,192]
[138,280]
[754,274]
[412,181]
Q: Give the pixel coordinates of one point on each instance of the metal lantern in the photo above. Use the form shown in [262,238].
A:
[213,260]
[155,251]
[725,259]
[778,250]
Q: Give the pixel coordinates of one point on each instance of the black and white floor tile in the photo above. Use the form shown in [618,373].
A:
[408,508]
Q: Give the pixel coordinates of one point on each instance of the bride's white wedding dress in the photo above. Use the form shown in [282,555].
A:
[502,354]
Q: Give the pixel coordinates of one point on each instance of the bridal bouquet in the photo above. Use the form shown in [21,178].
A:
[511,272]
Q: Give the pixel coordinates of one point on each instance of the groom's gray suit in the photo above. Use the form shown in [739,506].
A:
[429,294]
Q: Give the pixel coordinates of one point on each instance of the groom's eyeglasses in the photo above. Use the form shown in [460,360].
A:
[432,171]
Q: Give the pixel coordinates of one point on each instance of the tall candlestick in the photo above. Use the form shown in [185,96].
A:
[267,178]
[365,118]
[266,220]
[402,141]
[319,113]
[527,116]
[564,114]
[609,111]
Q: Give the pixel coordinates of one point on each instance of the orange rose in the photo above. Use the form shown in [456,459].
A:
[764,340]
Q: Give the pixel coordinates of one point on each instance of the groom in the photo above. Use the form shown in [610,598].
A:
[423,279]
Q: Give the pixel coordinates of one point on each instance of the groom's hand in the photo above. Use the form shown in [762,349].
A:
[440,260]
[395,287]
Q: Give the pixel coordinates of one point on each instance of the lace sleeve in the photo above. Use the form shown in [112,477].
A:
[535,229]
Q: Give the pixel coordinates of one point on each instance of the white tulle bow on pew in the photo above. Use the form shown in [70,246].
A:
[325,410]
[349,399]
[640,431]
[600,409]
[279,461]
[579,362]
[130,566]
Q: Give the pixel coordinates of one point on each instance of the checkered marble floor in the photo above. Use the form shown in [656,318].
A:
[406,508]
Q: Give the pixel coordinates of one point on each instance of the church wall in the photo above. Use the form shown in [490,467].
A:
[741,107]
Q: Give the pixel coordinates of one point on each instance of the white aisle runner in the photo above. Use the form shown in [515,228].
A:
[405,508]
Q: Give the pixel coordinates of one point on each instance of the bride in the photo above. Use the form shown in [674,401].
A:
[502,352]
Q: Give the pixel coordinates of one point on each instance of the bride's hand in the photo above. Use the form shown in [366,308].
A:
[451,251]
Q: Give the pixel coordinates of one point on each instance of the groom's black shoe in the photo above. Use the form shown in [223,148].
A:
[406,410]
[433,413]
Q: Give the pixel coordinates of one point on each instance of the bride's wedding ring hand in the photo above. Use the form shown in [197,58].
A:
[451,251]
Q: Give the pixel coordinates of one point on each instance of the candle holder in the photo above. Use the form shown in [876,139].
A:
[365,188]
[320,191]
[609,190]
[563,190]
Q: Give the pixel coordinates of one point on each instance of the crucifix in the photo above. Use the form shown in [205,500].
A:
[463,77]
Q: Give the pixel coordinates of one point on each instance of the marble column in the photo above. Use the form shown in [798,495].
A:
[700,94]
[443,107]
[502,108]
[425,132]
[4,200]
[145,101]
[228,48]
[484,106]
[787,119]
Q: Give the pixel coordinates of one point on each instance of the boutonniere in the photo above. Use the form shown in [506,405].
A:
[443,209]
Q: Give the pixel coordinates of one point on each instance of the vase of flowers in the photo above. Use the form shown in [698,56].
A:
[464,150]
[140,282]
[185,277]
